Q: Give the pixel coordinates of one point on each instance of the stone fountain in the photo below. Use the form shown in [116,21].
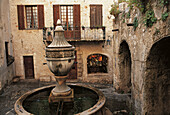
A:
[59,98]
[60,58]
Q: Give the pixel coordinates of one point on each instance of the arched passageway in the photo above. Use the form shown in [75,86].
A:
[125,67]
[157,83]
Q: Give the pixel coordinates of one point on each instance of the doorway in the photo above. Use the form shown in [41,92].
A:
[157,83]
[29,67]
[125,67]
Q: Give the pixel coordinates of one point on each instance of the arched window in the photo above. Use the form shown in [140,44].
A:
[97,63]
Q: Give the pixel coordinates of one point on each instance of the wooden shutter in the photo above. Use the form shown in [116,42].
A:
[76,21]
[21,24]
[99,15]
[96,15]
[56,14]
[40,16]
[92,15]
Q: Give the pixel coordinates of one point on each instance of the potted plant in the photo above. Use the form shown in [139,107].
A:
[114,10]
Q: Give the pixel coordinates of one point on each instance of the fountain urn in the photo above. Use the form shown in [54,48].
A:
[60,58]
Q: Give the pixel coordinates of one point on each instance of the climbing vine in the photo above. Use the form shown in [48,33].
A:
[157,31]
[149,18]
[145,7]
[114,10]
[123,17]
[136,3]
[128,15]
[163,2]
[135,23]
[165,16]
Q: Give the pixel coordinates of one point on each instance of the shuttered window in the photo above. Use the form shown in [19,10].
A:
[33,15]
[96,15]
[21,23]
[70,19]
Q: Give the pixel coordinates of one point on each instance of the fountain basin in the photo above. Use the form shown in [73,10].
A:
[87,100]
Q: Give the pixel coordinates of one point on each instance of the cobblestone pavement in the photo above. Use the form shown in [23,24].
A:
[115,102]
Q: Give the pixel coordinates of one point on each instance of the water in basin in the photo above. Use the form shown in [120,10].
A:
[38,104]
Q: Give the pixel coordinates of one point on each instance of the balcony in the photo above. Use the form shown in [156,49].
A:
[76,34]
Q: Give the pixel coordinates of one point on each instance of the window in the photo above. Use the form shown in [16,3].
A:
[9,58]
[30,16]
[97,63]
[6,51]
[67,17]
[70,18]
[95,15]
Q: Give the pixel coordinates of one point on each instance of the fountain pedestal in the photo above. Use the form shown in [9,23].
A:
[61,92]
[67,98]
[60,58]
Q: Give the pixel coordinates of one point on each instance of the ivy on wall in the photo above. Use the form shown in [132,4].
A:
[135,23]
[163,2]
[114,10]
[149,18]
[145,7]
[165,16]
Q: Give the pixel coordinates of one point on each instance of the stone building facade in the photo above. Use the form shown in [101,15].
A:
[6,48]
[141,59]
[135,60]
[88,39]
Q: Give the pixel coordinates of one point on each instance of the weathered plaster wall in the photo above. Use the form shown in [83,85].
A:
[30,42]
[85,49]
[6,72]
[140,43]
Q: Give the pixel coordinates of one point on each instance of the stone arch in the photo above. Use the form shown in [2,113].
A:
[125,67]
[97,63]
[156,81]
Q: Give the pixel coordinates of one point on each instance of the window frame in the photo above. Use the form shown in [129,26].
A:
[67,17]
[74,33]
[32,16]
[22,17]
[97,9]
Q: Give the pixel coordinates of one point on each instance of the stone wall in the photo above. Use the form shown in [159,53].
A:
[30,42]
[6,72]
[140,42]
[85,49]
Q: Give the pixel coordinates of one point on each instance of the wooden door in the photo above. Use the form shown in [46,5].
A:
[73,72]
[29,67]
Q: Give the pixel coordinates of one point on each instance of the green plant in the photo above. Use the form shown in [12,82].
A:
[128,15]
[163,2]
[136,3]
[157,31]
[120,1]
[135,23]
[131,113]
[122,92]
[123,16]
[164,16]
[114,10]
[149,18]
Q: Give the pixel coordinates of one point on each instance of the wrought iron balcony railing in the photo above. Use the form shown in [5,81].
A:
[76,34]
[93,33]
